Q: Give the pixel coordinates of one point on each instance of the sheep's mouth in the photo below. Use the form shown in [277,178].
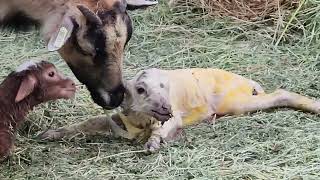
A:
[71,90]
[68,92]
[163,117]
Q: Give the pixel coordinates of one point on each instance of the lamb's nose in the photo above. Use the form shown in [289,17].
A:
[69,83]
[166,107]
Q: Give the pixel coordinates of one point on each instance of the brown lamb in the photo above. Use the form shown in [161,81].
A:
[31,84]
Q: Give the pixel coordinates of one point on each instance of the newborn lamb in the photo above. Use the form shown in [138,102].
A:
[31,84]
[159,103]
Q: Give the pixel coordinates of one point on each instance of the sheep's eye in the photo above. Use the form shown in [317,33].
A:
[51,74]
[140,90]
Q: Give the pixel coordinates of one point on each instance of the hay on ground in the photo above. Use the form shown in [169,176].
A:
[280,144]
[240,9]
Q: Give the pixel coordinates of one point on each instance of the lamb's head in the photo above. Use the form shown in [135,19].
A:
[92,41]
[43,82]
[148,92]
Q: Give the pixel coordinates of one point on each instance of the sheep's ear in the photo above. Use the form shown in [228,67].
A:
[26,87]
[137,4]
[63,33]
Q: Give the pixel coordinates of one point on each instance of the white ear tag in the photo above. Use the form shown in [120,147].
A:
[62,35]
[59,40]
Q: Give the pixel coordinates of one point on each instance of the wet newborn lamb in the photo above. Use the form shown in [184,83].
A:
[31,84]
[159,103]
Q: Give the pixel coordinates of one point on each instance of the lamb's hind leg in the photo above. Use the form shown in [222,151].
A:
[279,98]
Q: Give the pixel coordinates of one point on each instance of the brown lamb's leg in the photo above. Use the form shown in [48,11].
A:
[6,144]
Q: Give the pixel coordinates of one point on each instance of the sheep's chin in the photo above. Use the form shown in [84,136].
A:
[67,93]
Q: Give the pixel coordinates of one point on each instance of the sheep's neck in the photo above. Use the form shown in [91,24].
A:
[12,113]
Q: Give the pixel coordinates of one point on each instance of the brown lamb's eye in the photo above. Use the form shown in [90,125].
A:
[51,74]
[140,90]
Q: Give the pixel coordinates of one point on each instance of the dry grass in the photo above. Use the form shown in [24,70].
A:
[241,9]
[281,144]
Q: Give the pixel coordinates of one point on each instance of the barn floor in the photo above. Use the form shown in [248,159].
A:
[280,144]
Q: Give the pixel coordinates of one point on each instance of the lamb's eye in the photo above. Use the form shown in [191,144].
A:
[51,74]
[140,90]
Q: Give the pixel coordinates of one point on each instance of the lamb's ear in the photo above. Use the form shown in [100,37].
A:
[126,85]
[61,35]
[128,95]
[26,87]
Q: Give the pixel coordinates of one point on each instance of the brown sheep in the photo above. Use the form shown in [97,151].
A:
[90,35]
[31,84]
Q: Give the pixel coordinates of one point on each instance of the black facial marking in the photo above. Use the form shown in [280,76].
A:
[161,85]
[74,40]
[97,37]
[128,22]
[80,76]
[108,17]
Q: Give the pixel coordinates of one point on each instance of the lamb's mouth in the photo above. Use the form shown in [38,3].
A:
[163,117]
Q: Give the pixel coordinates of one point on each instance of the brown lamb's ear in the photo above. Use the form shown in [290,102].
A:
[26,87]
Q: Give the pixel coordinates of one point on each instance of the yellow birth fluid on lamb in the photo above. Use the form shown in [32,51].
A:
[205,87]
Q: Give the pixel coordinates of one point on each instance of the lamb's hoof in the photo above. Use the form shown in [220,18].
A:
[51,134]
[317,107]
[3,158]
[152,145]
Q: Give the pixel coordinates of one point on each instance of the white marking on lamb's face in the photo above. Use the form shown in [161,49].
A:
[149,93]
[26,65]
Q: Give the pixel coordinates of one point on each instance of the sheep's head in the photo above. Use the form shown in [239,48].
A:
[42,81]
[148,92]
[92,41]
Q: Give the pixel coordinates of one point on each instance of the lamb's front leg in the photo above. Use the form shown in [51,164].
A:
[6,144]
[165,132]
[97,125]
